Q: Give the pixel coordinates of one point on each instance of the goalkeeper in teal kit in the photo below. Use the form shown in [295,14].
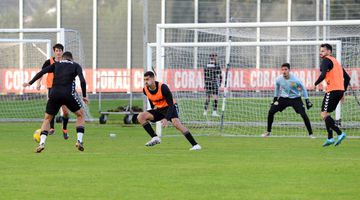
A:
[288,90]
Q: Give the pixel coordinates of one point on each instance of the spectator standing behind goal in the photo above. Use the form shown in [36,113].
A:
[337,81]
[287,93]
[164,108]
[63,93]
[58,51]
[212,80]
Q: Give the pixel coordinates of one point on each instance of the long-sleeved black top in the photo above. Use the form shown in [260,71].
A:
[65,72]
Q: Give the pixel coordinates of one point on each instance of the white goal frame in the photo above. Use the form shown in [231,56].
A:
[160,42]
[46,54]
[54,35]
[336,43]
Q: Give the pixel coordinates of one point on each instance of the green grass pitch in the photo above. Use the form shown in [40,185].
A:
[123,168]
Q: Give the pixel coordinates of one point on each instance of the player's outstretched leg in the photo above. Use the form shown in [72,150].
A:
[178,125]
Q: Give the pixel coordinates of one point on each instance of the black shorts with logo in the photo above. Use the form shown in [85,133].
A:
[283,103]
[331,100]
[57,98]
[160,114]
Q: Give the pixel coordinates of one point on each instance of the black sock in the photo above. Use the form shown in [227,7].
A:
[206,104]
[331,123]
[190,138]
[149,129]
[215,104]
[52,122]
[307,123]
[330,132]
[80,129]
[270,120]
[65,122]
[44,133]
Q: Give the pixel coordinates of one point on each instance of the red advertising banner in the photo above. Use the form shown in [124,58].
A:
[246,79]
[119,80]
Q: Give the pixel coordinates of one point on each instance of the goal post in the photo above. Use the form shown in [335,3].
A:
[251,80]
[20,60]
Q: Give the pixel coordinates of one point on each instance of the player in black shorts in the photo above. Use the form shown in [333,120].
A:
[63,93]
[212,80]
[337,81]
[288,89]
[58,51]
[164,109]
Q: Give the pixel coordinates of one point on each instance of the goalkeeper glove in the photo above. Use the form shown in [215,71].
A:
[308,104]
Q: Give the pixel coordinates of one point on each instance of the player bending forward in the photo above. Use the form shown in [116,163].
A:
[287,93]
[160,96]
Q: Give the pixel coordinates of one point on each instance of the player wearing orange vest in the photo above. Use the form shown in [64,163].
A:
[164,109]
[58,51]
[337,81]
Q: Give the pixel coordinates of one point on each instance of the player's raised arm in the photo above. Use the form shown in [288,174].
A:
[45,70]
[46,63]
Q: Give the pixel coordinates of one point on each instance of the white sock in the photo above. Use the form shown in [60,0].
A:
[42,139]
[80,136]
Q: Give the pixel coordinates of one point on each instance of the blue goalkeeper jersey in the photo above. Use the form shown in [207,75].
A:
[290,88]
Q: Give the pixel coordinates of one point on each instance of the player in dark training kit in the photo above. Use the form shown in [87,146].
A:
[212,79]
[288,90]
[63,93]
[337,81]
[58,51]
[164,108]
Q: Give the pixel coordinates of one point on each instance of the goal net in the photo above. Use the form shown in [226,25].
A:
[256,51]
[20,60]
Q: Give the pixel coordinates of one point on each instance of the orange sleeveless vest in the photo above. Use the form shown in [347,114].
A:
[157,99]
[335,77]
[50,76]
